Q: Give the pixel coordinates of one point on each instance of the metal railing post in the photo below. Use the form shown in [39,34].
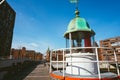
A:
[63,63]
[70,42]
[107,58]
[57,59]
[51,61]
[116,62]
[98,64]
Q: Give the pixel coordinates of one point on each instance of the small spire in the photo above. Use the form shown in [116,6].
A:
[48,48]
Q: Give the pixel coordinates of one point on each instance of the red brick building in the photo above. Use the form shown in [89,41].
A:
[55,55]
[26,54]
[113,43]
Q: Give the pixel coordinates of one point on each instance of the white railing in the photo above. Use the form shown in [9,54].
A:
[95,51]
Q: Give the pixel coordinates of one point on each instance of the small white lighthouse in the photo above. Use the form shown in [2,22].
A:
[81,57]
[79,34]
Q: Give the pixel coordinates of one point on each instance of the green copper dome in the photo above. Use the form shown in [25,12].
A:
[78,26]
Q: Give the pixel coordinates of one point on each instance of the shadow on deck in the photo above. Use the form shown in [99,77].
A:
[19,71]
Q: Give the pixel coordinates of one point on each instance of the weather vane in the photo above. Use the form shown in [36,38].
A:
[76,2]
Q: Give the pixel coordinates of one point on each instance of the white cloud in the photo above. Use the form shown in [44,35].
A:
[34,45]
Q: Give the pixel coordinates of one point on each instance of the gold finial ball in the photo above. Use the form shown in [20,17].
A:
[77,12]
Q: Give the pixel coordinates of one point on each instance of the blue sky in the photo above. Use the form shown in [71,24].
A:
[41,23]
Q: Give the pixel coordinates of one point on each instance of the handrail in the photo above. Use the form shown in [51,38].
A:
[81,48]
[84,61]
